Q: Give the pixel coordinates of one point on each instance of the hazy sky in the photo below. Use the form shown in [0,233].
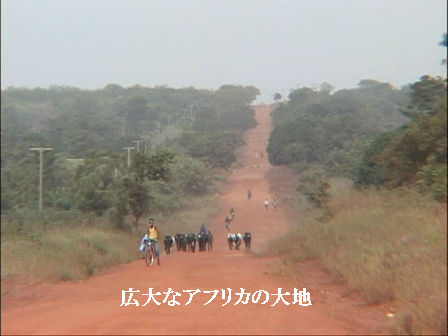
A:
[275,45]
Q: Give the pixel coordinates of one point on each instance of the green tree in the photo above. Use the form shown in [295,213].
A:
[94,181]
[313,184]
[145,169]
[191,176]
[426,97]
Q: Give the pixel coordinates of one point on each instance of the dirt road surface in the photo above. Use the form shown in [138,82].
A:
[95,306]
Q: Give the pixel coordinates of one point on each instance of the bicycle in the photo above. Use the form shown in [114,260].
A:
[149,253]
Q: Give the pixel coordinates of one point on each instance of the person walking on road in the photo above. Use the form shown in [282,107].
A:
[203,229]
[266,203]
[227,222]
[249,194]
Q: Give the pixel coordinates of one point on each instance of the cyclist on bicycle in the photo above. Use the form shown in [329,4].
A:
[153,235]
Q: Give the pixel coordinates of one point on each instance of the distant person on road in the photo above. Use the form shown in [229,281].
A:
[227,222]
[266,203]
[203,229]
[232,212]
[249,194]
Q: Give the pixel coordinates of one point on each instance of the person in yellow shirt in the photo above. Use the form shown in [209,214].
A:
[153,235]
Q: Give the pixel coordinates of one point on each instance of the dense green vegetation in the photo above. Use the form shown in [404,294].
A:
[374,135]
[333,130]
[93,191]
[416,153]
[187,131]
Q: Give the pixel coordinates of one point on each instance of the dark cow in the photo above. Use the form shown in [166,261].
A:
[247,237]
[183,243]
[178,238]
[238,238]
[210,241]
[202,241]
[169,242]
[230,240]
[191,242]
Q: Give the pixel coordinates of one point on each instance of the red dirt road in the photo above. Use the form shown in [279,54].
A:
[93,306]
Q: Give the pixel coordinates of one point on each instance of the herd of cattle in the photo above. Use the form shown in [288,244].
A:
[187,242]
[234,240]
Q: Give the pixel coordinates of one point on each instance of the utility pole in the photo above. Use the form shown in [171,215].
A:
[41,150]
[169,126]
[129,154]
[177,115]
[184,111]
[159,126]
[191,114]
[151,134]
[163,134]
[138,144]
[146,138]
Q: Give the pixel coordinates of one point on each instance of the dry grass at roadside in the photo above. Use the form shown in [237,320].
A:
[64,253]
[47,249]
[389,246]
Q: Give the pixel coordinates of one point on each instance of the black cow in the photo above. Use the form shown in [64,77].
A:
[210,241]
[202,241]
[169,242]
[178,238]
[191,242]
[247,237]
[230,240]
[238,238]
[183,243]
